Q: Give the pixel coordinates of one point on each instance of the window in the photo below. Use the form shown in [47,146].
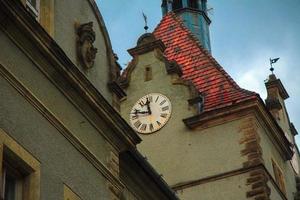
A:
[148,73]
[177,4]
[42,11]
[279,178]
[19,170]
[193,4]
[13,181]
[33,7]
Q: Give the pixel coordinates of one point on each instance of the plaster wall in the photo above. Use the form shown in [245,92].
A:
[219,189]
[274,194]
[269,153]
[69,12]
[127,195]
[32,78]
[175,148]
[60,162]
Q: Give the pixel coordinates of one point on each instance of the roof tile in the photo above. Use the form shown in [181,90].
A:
[210,79]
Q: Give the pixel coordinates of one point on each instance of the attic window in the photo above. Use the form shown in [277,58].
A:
[148,73]
[194,4]
[198,102]
[177,4]
[33,7]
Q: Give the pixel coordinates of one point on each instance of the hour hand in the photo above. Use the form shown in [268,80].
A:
[139,112]
[148,106]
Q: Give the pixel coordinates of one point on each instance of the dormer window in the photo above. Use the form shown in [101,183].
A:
[33,7]
[193,4]
[177,4]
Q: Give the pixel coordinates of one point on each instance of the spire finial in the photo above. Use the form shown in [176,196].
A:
[146,22]
[272,61]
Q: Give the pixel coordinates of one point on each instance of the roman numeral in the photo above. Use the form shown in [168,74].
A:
[137,124]
[162,103]
[163,115]
[150,98]
[151,127]
[156,99]
[142,103]
[158,123]
[165,108]
[133,117]
[143,127]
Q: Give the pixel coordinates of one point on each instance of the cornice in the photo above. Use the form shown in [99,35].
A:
[236,172]
[38,105]
[145,48]
[192,10]
[140,161]
[16,20]
[256,106]
[273,82]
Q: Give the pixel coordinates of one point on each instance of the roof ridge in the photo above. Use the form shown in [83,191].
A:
[206,53]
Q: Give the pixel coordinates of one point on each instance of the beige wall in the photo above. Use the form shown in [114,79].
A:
[269,153]
[178,153]
[61,161]
[182,155]
[231,188]
[34,80]
[69,12]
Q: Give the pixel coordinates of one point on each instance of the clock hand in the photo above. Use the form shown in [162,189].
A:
[140,112]
[148,106]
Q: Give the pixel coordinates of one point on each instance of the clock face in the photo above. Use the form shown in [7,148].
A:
[150,113]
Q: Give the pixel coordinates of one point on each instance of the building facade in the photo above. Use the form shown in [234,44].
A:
[60,134]
[209,138]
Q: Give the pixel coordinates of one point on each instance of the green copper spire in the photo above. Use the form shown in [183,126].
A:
[194,15]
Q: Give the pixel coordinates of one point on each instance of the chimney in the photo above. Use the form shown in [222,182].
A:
[275,103]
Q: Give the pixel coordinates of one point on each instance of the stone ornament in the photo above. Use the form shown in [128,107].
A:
[86,52]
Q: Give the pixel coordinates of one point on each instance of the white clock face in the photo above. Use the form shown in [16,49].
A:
[150,113]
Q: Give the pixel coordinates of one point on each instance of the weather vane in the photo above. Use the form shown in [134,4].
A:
[146,22]
[272,61]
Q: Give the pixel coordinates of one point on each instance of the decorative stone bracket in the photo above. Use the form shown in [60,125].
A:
[86,52]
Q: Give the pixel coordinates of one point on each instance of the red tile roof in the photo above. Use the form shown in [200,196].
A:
[210,79]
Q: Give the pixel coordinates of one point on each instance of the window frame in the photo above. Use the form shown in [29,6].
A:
[8,170]
[25,166]
[34,10]
[279,176]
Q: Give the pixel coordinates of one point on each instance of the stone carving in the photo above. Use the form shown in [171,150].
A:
[86,51]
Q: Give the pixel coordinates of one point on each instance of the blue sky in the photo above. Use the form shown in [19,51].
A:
[244,35]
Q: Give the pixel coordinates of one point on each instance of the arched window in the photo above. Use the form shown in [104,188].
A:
[193,4]
[177,4]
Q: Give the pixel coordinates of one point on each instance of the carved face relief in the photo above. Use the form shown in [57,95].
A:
[86,52]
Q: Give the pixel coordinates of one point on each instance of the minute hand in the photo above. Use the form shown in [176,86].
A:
[148,106]
[140,112]
[149,109]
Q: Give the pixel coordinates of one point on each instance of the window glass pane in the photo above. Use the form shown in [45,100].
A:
[10,188]
[193,4]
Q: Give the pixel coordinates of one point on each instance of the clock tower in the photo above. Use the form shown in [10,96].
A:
[207,137]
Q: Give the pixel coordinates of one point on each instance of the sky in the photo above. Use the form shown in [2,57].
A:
[245,34]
